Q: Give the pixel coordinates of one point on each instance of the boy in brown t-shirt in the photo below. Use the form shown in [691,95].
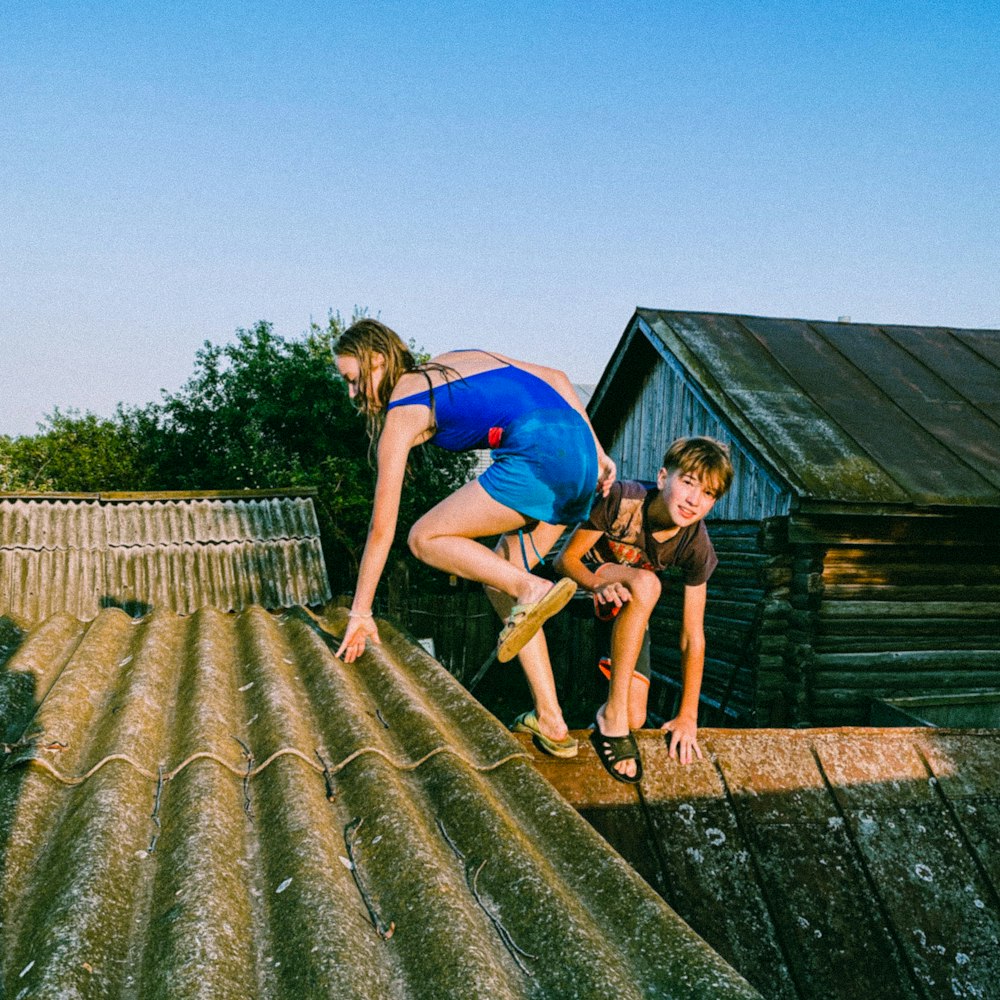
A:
[632,533]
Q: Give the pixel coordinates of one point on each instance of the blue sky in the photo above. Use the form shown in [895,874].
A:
[518,176]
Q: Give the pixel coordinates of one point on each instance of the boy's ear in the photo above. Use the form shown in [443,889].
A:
[661,478]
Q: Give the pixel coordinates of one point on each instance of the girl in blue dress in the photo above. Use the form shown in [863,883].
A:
[547,466]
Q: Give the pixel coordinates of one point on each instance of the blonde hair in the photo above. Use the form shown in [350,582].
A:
[361,341]
[703,457]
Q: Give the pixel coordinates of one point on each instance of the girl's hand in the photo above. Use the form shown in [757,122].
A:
[360,628]
[606,473]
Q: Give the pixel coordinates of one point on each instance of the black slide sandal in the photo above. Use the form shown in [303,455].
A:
[612,749]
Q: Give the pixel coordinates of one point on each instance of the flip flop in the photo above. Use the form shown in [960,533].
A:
[527,722]
[612,749]
[525,620]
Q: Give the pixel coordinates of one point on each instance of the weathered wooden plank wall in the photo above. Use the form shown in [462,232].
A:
[883,609]
[668,407]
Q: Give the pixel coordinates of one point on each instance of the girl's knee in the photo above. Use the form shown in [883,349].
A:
[417,538]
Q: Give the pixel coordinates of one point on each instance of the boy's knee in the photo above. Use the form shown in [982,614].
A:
[637,719]
[645,587]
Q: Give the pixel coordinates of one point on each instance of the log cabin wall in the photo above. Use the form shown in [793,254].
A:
[746,633]
[809,619]
[901,606]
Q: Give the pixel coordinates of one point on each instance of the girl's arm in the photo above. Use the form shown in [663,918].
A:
[404,426]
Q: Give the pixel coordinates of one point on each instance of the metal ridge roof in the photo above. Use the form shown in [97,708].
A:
[823,864]
[215,806]
[852,412]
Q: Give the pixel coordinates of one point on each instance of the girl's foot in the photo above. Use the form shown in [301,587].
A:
[525,620]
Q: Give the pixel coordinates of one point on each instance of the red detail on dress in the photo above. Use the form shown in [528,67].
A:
[495,436]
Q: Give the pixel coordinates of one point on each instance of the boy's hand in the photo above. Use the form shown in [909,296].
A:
[612,594]
[606,473]
[683,739]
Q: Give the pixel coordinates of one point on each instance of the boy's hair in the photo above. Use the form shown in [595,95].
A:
[703,457]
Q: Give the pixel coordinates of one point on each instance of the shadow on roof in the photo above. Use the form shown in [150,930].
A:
[820,863]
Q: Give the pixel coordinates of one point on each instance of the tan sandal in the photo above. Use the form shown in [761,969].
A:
[525,620]
[527,722]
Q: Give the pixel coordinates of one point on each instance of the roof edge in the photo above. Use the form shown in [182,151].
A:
[646,311]
[131,497]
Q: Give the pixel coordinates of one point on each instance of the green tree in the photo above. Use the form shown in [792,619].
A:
[72,452]
[260,412]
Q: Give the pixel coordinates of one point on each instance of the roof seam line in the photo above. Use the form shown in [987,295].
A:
[770,908]
[244,773]
[889,927]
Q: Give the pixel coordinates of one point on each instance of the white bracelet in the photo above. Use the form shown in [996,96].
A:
[360,614]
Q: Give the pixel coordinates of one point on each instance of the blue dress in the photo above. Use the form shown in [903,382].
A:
[544,459]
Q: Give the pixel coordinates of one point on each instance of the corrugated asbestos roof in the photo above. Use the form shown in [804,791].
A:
[181,551]
[822,864]
[213,806]
[848,412]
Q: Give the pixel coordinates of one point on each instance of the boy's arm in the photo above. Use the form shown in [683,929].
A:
[683,728]
[570,563]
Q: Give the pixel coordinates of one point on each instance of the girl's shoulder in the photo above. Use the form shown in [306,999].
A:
[427,376]
[449,367]
[467,360]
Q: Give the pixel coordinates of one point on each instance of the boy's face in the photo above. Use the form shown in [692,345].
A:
[687,499]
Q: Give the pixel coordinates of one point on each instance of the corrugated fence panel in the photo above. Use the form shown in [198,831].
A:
[45,524]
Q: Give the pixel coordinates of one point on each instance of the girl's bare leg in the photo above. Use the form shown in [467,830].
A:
[445,538]
[534,656]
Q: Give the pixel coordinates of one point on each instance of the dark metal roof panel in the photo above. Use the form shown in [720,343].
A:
[822,864]
[852,412]
[214,806]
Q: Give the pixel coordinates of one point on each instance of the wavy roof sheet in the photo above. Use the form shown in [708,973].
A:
[180,551]
[883,414]
[214,806]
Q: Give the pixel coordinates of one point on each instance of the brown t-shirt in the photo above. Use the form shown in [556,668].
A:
[621,516]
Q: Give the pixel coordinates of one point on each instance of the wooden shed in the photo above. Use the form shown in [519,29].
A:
[859,546]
